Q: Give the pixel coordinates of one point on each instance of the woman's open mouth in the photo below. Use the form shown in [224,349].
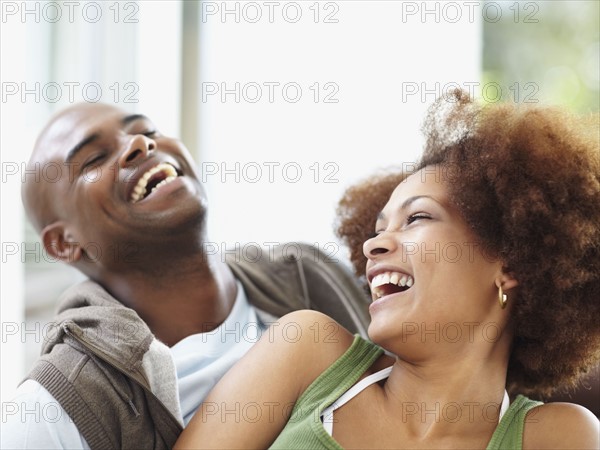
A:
[388,283]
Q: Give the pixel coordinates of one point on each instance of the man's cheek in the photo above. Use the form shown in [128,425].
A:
[92,174]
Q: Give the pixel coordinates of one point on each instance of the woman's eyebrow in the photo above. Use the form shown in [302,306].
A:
[411,200]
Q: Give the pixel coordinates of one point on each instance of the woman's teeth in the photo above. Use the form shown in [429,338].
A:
[394,278]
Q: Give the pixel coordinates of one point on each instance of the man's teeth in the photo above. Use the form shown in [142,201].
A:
[140,188]
[397,278]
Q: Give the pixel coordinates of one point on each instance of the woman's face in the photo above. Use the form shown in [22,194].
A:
[430,280]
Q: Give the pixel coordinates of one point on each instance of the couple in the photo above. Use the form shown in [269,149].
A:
[483,268]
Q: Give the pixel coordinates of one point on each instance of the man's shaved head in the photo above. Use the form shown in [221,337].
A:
[37,191]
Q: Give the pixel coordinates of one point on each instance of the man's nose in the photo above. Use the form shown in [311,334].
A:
[138,146]
[379,245]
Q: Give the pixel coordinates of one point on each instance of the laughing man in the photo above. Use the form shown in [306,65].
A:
[135,348]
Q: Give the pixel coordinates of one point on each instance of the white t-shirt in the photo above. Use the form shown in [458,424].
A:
[34,419]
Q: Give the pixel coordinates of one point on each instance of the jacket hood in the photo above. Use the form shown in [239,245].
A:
[100,322]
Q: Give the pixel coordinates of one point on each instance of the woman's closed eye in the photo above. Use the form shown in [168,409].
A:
[417,216]
[409,220]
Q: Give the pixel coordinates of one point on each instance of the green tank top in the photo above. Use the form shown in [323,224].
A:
[305,429]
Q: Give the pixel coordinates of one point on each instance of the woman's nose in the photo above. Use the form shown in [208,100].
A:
[379,245]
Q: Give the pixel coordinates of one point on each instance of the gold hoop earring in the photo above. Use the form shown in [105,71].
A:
[501,297]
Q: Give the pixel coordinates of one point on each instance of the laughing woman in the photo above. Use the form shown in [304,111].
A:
[484,271]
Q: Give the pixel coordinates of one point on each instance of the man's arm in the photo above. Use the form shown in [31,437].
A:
[252,403]
[34,419]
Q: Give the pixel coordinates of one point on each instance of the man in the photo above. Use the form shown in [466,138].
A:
[135,349]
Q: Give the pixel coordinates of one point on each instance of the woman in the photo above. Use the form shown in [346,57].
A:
[484,272]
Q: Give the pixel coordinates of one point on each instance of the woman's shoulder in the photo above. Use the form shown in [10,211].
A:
[312,339]
[561,426]
[310,328]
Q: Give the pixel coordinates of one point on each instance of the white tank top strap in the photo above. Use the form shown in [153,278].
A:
[327,414]
[504,406]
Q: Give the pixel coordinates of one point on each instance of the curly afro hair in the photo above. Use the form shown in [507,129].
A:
[527,181]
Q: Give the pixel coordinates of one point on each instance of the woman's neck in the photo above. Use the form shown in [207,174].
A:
[449,394]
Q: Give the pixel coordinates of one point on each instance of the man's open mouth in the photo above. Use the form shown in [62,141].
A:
[390,283]
[155,178]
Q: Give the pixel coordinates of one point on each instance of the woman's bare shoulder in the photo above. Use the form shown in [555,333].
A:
[310,337]
[561,426]
[290,355]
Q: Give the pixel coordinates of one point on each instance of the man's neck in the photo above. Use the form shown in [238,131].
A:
[194,295]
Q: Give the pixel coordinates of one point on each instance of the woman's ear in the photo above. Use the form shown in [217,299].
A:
[507,280]
[60,243]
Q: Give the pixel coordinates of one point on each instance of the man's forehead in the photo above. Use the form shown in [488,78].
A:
[72,125]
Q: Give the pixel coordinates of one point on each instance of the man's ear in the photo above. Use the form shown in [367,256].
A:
[60,243]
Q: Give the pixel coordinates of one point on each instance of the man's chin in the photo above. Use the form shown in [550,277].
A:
[157,248]
[175,225]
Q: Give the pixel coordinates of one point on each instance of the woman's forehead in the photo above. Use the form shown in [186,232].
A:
[429,181]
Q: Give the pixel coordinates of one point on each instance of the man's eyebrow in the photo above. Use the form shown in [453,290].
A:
[407,203]
[73,152]
[127,119]
[88,140]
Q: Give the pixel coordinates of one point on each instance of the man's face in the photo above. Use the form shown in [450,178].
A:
[123,183]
